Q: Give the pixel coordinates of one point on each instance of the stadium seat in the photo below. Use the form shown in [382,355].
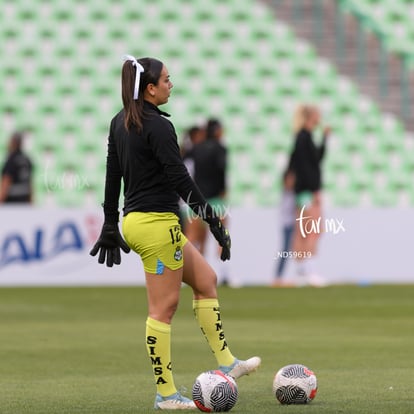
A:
[233,60]
[392,18]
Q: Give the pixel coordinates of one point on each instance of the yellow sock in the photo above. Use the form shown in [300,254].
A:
[207,312]
[158,341]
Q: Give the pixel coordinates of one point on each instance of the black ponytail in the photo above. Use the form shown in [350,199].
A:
[134,108]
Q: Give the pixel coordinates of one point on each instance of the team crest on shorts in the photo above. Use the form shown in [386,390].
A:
[178,255]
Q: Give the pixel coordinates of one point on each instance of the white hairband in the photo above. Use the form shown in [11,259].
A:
[139,70]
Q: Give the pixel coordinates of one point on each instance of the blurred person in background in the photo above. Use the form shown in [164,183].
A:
[305,162]
[193,136]
[209,159]
[287,219]
[16,175]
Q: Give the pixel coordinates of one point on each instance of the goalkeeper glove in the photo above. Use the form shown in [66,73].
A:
[222,235]
[109,244]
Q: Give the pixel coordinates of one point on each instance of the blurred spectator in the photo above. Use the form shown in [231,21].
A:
[16,175]
[210,160]
[287,219]
[193,136]
[306,164]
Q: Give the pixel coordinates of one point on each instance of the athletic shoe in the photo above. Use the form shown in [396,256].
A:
[173,402]
[239,368]
[315,280]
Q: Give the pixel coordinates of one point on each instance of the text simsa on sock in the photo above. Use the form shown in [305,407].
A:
[207,312]
[158,342]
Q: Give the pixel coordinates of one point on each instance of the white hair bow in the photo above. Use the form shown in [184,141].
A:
[139,70]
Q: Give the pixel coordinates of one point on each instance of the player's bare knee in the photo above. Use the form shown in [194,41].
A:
[164,313]
[208,288]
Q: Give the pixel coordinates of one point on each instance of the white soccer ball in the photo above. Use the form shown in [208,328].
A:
[295,384]
[214,391]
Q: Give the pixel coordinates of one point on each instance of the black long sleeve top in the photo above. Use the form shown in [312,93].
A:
[210,159]
[306,162]
[150,164]
[19,168]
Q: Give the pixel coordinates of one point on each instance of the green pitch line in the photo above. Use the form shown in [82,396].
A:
[82,350]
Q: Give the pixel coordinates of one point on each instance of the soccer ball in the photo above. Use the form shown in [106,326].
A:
[295,384]
[214,391]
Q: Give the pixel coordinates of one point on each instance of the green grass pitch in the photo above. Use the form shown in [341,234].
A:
[81,350]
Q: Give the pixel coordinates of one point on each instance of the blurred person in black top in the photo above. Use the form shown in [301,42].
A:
[144,153]
[209,162]
[306,161]
[16,175]
[193,136]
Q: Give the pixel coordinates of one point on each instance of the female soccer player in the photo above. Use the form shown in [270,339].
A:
[306,164]
[210,165]
[143,151]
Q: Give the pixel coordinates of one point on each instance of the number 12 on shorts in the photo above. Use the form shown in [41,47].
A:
[175,233]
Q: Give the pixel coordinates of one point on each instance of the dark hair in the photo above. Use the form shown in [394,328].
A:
[16,140]
[134,108]
[192,131]
[213,125]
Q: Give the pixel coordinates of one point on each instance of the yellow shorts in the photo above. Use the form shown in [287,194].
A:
[157,238]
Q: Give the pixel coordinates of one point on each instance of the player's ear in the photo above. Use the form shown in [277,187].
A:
[151,89]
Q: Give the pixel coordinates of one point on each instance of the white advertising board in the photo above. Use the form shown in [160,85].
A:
[50,247]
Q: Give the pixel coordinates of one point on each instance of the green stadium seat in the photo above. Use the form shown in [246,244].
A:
[346,198]
[232,59]
[388,17]
[384,198]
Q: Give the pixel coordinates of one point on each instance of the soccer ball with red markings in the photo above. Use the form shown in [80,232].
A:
[214,391]
[295,384]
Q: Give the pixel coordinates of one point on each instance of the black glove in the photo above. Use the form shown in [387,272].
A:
[222,235]
[109,243]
